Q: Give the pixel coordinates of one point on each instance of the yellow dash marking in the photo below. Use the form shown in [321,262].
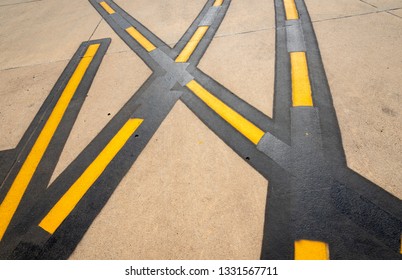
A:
[70,199]
[301,88]
[24,176]
[218,3]
[311,250]
[401,246]
[192,44]
[107,7]
[291,10]
[144,42]
[244,126]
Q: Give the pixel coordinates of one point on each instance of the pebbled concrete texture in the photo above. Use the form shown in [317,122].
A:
[367,98]
[182,199]
[16,2]
[326,9]
[22,93]
[385,4]
[41,32]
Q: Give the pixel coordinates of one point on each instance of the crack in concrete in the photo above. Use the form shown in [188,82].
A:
[357,15]
[14,4]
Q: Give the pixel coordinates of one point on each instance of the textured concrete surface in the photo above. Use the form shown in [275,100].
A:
[22,93]
[44,31]
[363,66]
[182,199]
[189,196]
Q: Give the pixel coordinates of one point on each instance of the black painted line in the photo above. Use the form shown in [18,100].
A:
[40,180]
[320,200]
[294,35]
[7,158]
[209,35]
[25,145]
[179,46]
[239,143]
[311,199]
[156,97]
[209,17]
[332,140]
[381,201]
[283,82]
[122,33]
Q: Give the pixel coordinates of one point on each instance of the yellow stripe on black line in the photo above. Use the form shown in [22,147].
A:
[244,126]
[107,7]
[144,42]
[218,3]
[24,176]
[311,250]
[301,88]
[290,9]
[192,44]
[70,199]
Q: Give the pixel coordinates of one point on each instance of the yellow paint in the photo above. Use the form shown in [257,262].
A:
[107,7]
[24,176]
[144,42]
[70,199]
[218,3]
[400,251]
[311,250]
[192,44]
[291,10]
[301,88]
[245,127]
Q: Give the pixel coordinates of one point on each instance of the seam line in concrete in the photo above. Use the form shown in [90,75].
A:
[356,15]
[14,4]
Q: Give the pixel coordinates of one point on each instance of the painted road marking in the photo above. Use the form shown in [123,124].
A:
[218,3]
[290,9]
[70,199]
[192,44]
[301,88]
[144,42]
[244,126]
[210,16]
[294,36]
[311,250]
[107,7]
[24,176]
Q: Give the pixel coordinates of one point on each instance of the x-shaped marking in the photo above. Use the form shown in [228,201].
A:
[290,152]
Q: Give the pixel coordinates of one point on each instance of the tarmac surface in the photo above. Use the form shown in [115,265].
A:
[200,129]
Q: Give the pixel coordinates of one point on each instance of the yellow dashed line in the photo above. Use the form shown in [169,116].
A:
[192,44]
[291,10]
[70,199]
[245,127]
[144,42]
[301,88]
[24,176]
[107,7]
[311,250]
[218,3]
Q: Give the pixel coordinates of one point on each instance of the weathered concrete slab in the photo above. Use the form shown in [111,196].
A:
[167,207]
[367,98]
[44,31]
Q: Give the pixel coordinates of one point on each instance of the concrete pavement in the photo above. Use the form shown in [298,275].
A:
[189,195]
